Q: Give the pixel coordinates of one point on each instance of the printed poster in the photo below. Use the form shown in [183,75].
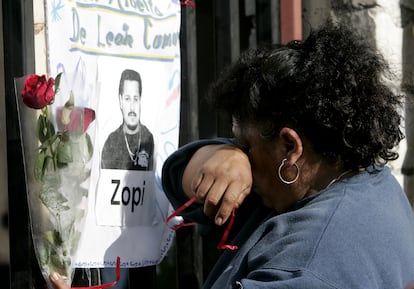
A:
[122,58]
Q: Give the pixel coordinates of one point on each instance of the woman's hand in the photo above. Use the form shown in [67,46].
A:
[58,281]
[220,177]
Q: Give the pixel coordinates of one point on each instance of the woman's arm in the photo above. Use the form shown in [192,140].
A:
[220,177]
[216,171]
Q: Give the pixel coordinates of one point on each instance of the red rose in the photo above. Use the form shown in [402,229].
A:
[76,116]
[89,116]
[38,92]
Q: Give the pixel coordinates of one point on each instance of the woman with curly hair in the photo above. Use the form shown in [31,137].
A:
[304,184]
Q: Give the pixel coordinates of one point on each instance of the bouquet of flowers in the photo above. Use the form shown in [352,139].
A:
[57,150]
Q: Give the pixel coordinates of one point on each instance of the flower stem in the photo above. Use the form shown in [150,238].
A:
[46,120]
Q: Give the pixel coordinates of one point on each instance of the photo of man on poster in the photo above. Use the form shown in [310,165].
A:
[131,145]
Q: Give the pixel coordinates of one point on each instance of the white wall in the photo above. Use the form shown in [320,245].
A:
[40,36]
[385,16]
[389,40]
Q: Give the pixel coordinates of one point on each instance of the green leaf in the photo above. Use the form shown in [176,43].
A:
[47,143]
[43,146]
[43,254]
[90,147]
[64,153]
[48,164]
[59,263]
[57,81]
[67,109]
[53,199]
[38,169]
[41,129]
[85,147]
[53,237]
[51,129]
[45,128]
[75,238]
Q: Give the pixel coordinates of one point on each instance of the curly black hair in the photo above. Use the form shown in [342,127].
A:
[330,88]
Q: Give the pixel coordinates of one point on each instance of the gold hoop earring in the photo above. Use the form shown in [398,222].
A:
[280,173]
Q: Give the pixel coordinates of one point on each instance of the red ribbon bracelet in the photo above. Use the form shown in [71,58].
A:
[222,244]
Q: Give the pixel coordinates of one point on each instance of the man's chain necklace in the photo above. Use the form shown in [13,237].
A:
[133,156]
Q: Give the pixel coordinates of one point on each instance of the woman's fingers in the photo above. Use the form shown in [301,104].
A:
[204,183]
[58,281]
[223,192]
[214,197]
[232,199]
[220,177]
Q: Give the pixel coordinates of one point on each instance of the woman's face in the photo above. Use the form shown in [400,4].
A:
[264,158]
